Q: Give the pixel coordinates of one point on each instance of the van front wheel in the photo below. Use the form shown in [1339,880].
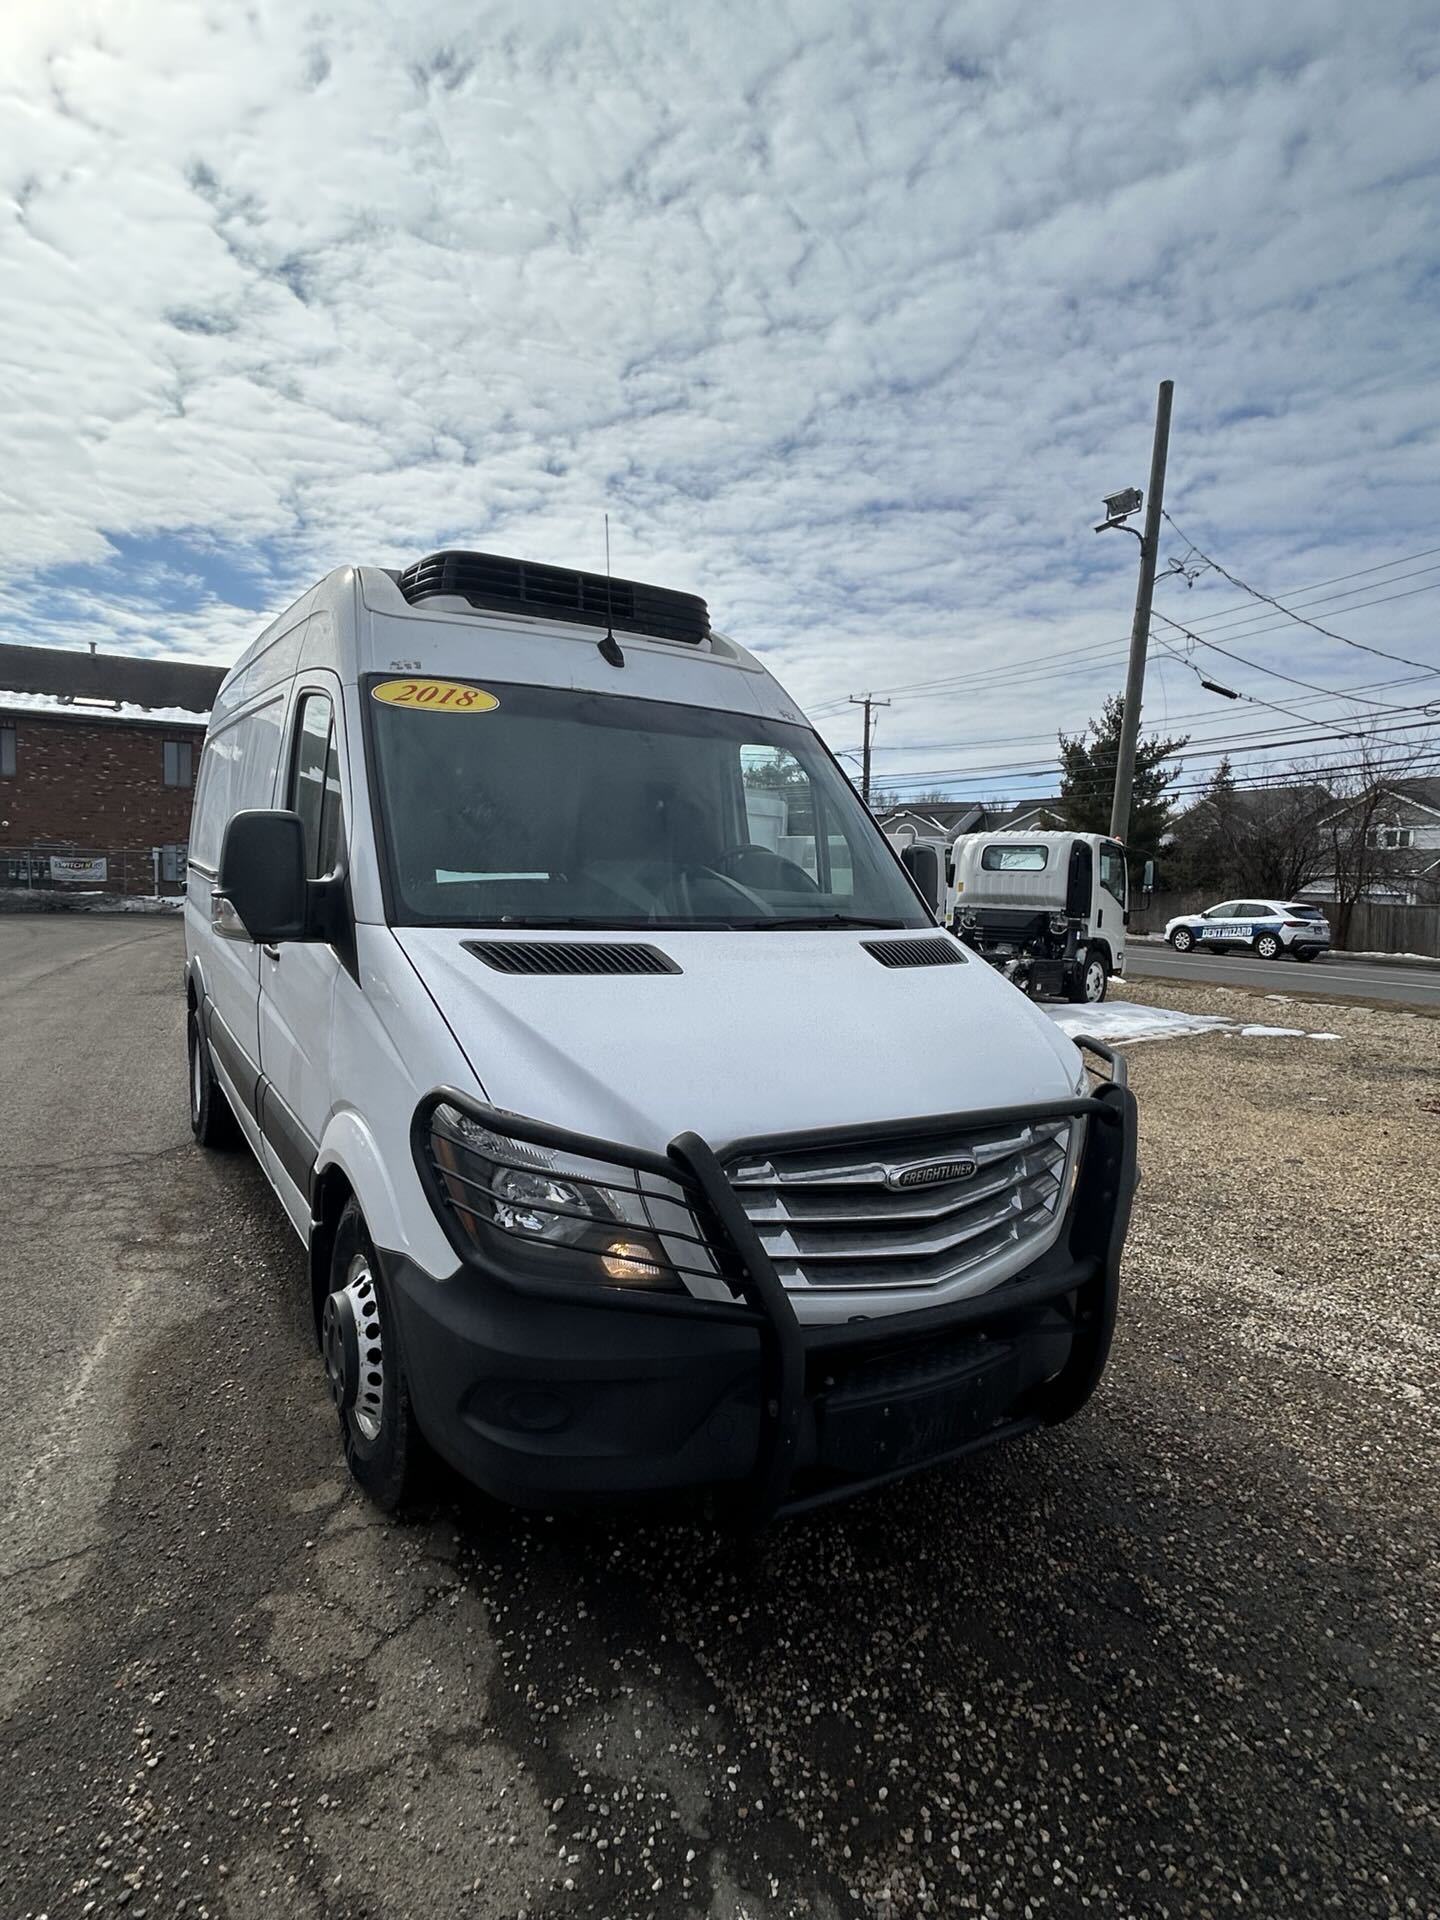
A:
[362,1365]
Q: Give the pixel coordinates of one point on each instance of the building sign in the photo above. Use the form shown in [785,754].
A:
[67,871]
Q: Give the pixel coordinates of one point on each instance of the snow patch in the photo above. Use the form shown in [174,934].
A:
[1122,1021]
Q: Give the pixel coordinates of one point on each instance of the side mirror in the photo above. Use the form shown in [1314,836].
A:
[262,879]
[923,866]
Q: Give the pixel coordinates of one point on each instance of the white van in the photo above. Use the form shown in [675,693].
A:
[644,1131]
[1048,909]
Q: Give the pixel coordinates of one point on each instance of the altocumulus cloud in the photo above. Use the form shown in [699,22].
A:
[847,312]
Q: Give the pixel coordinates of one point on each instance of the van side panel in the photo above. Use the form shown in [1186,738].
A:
[237,770]
[390,1045]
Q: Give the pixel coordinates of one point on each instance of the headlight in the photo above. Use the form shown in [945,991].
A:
[556,1214]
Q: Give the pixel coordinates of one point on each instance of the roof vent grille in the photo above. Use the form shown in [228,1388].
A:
[570,956]
[938,952]
[558,593]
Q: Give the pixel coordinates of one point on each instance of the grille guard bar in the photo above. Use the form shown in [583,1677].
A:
[1099,1217]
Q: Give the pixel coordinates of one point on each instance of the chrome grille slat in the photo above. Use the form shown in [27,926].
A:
[794,1241]
[874,1173]
[836,1218]
[795,1207]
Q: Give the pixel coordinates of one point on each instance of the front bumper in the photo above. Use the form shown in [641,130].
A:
[557,1400]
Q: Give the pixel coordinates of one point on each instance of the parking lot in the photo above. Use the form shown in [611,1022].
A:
[1178,1658]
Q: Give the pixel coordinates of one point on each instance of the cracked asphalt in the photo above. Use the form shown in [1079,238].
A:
[1178,1658]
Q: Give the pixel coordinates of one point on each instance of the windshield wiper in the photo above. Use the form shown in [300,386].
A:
[781,921]
[600,923]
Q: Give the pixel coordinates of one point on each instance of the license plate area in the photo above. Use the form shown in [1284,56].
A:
[914,1407]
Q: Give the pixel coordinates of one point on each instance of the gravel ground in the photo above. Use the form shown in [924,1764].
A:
[1178,1658]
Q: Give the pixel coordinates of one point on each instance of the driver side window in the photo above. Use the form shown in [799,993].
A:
[783,818]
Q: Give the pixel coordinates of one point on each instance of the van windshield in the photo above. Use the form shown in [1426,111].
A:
[544,807]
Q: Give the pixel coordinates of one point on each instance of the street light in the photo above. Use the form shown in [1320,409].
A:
[1119,506]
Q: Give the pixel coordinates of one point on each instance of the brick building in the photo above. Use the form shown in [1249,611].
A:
[95,785]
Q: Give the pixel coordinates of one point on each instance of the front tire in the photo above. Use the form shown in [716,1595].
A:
[382,1443]
[1088,983]
[1269,946]
[1182,940]
[211,1121]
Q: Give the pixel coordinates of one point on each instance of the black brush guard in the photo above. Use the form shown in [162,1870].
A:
[1085,1271]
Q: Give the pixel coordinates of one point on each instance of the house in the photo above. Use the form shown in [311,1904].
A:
[947,819]
[1402,844]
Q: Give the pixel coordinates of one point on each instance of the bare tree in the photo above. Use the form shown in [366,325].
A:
[1263,838]
[1276,836]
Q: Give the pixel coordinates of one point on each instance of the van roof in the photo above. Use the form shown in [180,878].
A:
[515,600]
[499,584]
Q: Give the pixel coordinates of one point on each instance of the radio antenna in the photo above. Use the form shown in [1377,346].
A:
[610,648]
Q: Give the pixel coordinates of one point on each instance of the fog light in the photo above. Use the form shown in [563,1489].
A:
[628,1260]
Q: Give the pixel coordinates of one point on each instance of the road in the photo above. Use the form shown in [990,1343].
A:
[1336,974]
[1176,1659]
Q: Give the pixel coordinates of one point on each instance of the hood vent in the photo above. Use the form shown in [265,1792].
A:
[569,956]
[558,593]
[938,952]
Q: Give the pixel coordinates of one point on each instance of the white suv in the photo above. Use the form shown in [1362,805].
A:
[1266,927]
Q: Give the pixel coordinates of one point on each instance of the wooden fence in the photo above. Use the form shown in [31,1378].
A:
[1377,929]
[1373,928]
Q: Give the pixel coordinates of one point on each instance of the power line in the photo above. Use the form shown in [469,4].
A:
[1174,719]
[1246,744]
[1244,619]
[1009,793]
[1270,600]
[1217,619]
[1274,672]
[1382,566]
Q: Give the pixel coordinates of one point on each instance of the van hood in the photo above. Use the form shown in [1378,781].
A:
[758,1033]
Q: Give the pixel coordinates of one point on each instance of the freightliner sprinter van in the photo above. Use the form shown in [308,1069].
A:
[644,1131]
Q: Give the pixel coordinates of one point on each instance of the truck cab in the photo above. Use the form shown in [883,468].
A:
[1048,909]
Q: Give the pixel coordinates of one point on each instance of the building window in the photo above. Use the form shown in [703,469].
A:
[178,758]
[7,753]
[1389,838]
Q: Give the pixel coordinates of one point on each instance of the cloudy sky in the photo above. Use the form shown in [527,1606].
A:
[848,313]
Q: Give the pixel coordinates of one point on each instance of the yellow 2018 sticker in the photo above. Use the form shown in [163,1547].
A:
[435,696]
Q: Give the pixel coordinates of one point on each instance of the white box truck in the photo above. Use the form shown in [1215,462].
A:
[1048,909]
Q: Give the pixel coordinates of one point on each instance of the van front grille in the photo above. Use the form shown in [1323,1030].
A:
[977,1203]
[570,956]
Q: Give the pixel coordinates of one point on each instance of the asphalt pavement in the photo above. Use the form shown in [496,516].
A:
[1177,1658]
[1339,974]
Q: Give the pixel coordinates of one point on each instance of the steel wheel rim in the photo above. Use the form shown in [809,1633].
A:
[366,1410]
[1094,982]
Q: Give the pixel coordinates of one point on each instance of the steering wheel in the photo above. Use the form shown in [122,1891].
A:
[766,869]
[683,879]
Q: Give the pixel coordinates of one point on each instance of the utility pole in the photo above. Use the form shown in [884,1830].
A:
[867,701]
[1140,631]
